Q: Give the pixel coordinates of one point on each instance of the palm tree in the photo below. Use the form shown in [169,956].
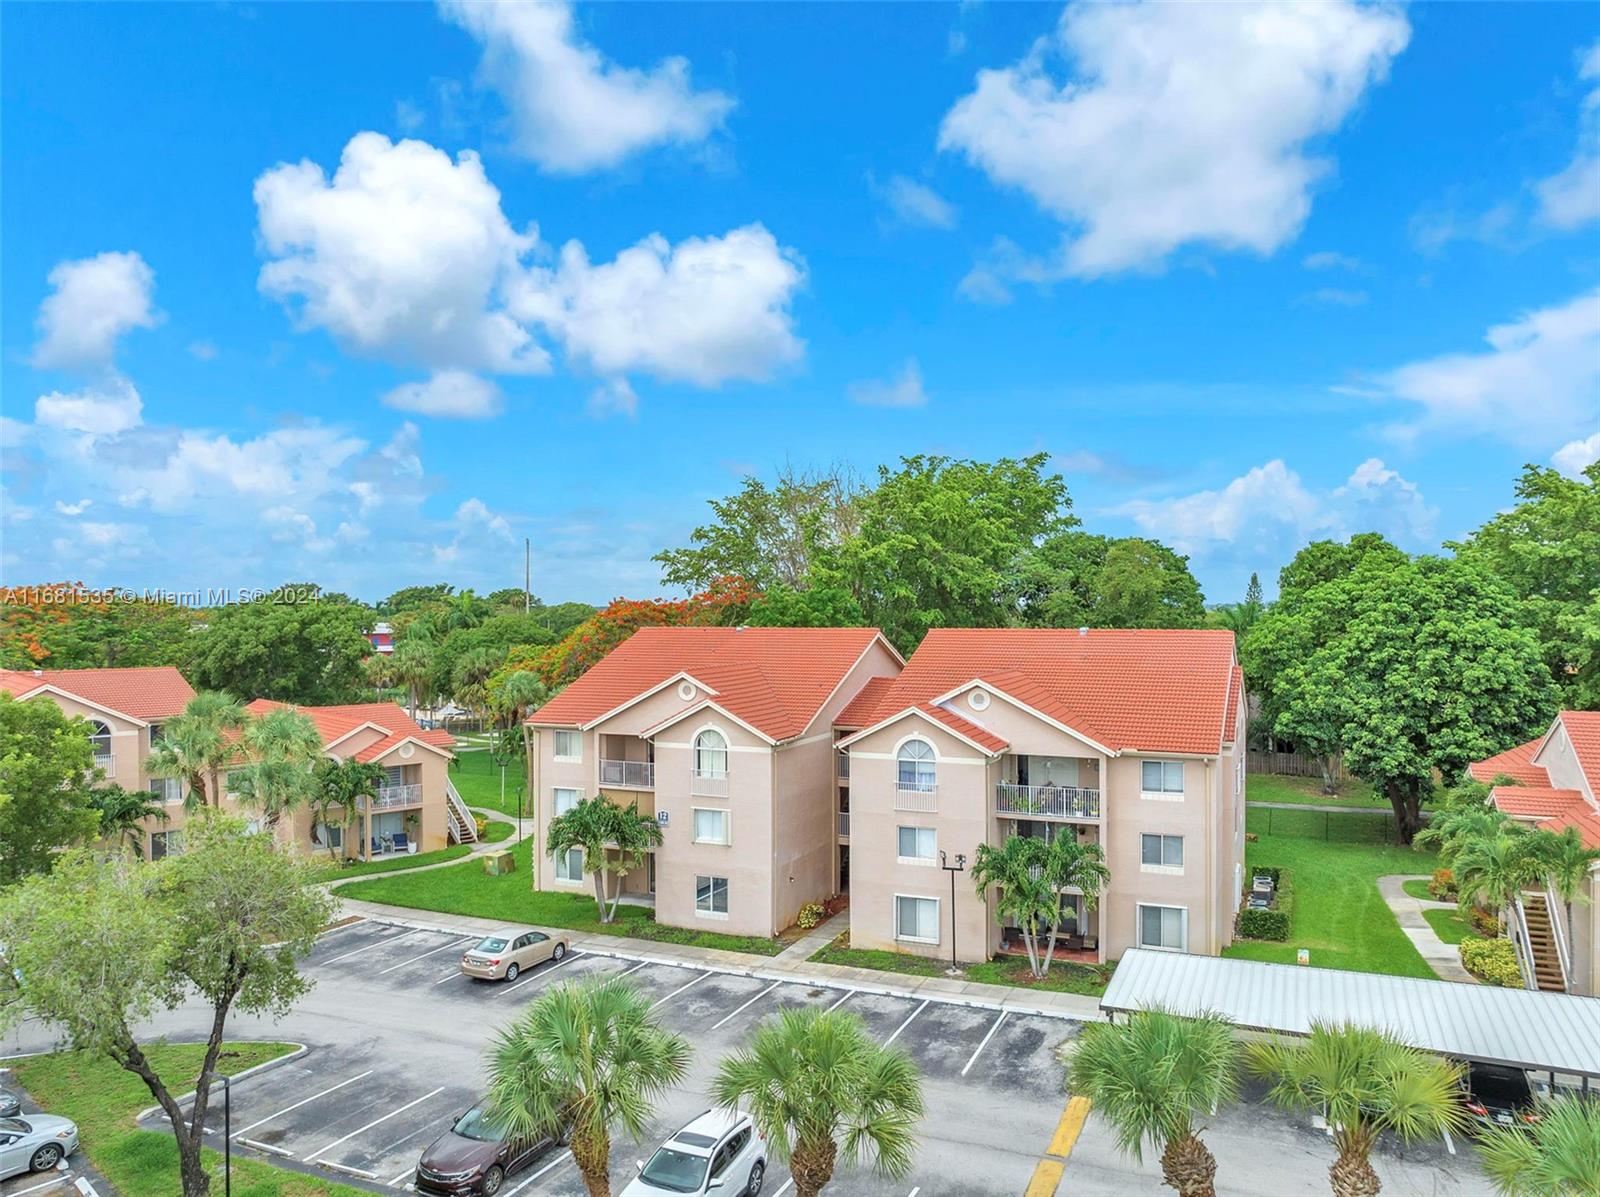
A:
[1557,1156]
[341,785]
[1364,1082]
[411,666]
[1150,1076]
[585,1060]
[123,812]
[613,839]
[1031,876]
[818,1087]
[516,694]
[280,748]
[1492,870]
[197,745]
[1567,862]
[1452,828]
[469,681]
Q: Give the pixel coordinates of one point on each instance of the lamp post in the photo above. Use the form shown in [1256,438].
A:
[959,867]
[227,1131]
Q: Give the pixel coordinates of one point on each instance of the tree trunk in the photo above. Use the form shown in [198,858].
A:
[196,1182]
[1329,767]
[1406,803]
[1352,1176]
[811,1165]
[1050,946]
[600,893]
[591,1151]
[1188,1167]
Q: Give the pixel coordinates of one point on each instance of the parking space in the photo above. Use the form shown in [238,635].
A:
[72,1177]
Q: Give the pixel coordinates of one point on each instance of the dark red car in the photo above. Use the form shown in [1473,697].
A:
[475,1156]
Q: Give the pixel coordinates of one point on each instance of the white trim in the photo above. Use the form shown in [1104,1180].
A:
[444,752]
[1138,925]
[694,748]
[845,676]
[377,727]
[932,747]
[582,864]
[60,692]
[556,757]
[932,722]
[857,754]
[727,825]
[919,861]
[681,675]
[703,706]
[1163,870]
[999,692]
[727,889]
[1160,796]
[894,917]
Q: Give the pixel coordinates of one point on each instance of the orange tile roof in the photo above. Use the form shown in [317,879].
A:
[389,718]
[775,679]
[1156,690]
[1235,689]
[964,726]
[1583,729]
[1516,763]
[1586,821]
[1535,802]
[145,692]
[864,703]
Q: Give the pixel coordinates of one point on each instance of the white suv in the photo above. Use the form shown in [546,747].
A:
[721,1151]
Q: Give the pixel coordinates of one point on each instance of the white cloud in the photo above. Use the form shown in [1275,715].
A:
[449,393]
[1183,124]
[914,203]
[101,409]
[403,254]
[478,530]
[1574,456]
[1539,378]
[614,397]
[94,302]
[572,109]
[1327,259]
[203,351]
[77,508]
[1338,297]
[903,390]
[1571,197]
[706,310]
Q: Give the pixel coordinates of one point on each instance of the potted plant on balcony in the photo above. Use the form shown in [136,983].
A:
[413,821]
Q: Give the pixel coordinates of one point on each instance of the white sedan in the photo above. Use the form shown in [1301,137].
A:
[35,1143]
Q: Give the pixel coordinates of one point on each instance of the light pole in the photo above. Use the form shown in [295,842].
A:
[227,1131]
[959,867]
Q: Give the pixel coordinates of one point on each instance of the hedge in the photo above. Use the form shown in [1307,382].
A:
[1492,960]
[1272,923]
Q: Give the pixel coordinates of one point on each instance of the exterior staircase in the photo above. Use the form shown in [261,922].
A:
[1548,971]
[463,828]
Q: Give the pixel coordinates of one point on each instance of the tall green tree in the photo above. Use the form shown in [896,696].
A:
[1239,618]
[1152,1077]
[47,775]
[614,840]
[99,946]
[289,645]
[1556,1156]
[280,747]
[408,598]
[1547,549]
[820,1088]
[1077,579]
[122,814]
[1031,876]
[338,790]
[1567,862]
[1491,870]
[411,665]
[197,745]
[585,1060]
[1364,1082]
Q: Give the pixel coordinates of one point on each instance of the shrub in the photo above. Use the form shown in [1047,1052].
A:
[1443,886]
[1485,923]
[811,915]
[1491,960]
[481,824]
[1272,923]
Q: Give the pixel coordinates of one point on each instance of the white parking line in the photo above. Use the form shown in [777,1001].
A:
[454,943]
[267,1147]
[634,969]
[303,1101]
[985,1042]
[747,1005]
[49,1184]
[560,1159]
[450,976]
[914,1191]
[847,995]
[661,1000]
[534,973]
[377,943]
[905,1024]
[317,1155]
[784,1187]
[1449,1143]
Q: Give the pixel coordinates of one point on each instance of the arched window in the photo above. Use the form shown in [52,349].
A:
[711,754]
[918,770]
[99,738]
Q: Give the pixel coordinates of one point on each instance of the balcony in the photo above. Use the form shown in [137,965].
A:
[102,761]
[916,796]
[844,765]
[392,796]
[844,823]
[628,775]
[1046,802]
[709,783]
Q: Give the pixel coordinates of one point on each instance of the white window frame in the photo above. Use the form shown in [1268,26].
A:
[96,738]
[1138,926]
[555,799]
[330,831]
[727,897]
[727,824]
[938,919]
[555,746]
[1163,794]
[726,752]
[168,789]
[1170,870]
[918,786]
[565,858]
[933,854]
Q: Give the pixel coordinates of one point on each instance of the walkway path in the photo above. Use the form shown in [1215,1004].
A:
[520,832]
[819,937]
[1443,958]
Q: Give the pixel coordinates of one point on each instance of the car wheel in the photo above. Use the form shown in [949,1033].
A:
[561,950]
[512,970]
[46,1157]
[758,1173]
[492,1180]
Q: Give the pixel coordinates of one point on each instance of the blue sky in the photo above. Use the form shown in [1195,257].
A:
[367,293]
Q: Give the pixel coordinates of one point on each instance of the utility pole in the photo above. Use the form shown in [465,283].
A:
[527,574]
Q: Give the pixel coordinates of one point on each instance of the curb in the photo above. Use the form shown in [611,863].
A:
[300,1049]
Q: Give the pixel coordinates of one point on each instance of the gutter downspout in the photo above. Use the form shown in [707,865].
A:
[1213,948]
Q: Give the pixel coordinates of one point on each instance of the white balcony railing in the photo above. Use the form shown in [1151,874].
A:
[628,775]
[392,796]
[712,783]
[1047,802]
[916,796]
[102,761]
[844,822]
[844,765]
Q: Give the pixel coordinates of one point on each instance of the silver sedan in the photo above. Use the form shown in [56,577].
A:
[35,1143]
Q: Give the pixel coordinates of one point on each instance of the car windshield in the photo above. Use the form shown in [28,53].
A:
[475,1124]
[491,944]
[675,1171]
[14,1126]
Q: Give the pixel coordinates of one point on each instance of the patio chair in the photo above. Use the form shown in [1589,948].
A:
[400,841]
[375,848]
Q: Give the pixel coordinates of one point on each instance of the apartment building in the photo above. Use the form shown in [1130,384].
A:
[1132,739]
[725,736]
[1556,785]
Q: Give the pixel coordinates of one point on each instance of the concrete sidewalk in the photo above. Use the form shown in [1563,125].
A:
[781,967]
[1442,958]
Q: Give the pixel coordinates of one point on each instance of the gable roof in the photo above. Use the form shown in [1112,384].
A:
[1583,729]
[1151,690]
[774,679]
[857,711]
[1535,802]
[388,719]
[141,692]
[1516,763]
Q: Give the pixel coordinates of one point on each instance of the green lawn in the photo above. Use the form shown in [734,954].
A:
[466,889]
[1275,787]
[1348,827]
[1338,913]
[1062,978]
[477,780]
[104,1099]
[1449,925]
[1417,888]
[388,864]
[497,831]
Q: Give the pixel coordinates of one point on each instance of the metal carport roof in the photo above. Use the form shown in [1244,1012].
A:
[1522,1027]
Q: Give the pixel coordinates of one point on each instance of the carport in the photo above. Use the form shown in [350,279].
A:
[1522,1028]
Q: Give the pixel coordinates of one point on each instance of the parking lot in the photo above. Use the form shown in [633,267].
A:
[394,1038]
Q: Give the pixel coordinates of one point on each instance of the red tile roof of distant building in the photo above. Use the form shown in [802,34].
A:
[144,692]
